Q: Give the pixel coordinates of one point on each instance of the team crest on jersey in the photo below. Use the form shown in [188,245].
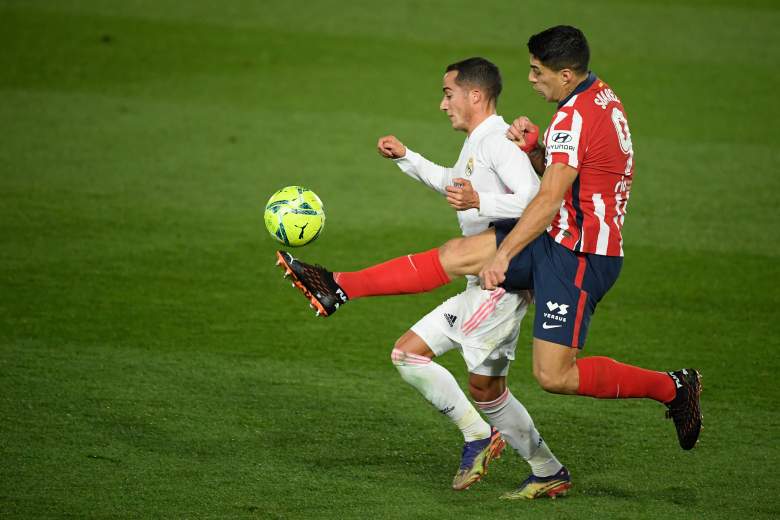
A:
[470,167]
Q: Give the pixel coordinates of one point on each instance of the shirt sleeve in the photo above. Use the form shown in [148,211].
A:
[564,139]
[515,171]
[431,174]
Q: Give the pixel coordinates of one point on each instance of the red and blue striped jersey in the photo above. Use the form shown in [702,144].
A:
[589,132]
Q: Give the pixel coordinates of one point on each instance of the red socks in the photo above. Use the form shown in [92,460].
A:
[606,378]
[408,274]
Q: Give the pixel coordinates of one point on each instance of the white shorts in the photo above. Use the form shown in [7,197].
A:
[484,325]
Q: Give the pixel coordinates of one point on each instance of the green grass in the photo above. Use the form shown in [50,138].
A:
[152,362]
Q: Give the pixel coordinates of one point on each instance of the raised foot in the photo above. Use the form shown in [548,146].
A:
[315,282]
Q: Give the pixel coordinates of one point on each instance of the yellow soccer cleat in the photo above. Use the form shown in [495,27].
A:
[539,487]
[475,459]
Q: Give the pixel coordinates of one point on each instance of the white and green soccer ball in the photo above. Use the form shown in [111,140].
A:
[294,216]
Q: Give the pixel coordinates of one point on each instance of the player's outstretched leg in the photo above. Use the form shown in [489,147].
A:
[327,291]
[409,274]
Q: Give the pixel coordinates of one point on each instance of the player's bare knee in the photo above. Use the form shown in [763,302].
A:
[467,255]
[398,349]
[401,343]
[451,257]
[462,256]
[482,395]
[410,344]
[484,389]
[550,381]
[476,392]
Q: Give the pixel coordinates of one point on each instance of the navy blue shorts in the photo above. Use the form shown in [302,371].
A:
[567,285]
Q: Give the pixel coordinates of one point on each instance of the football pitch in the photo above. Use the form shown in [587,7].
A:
[154,364]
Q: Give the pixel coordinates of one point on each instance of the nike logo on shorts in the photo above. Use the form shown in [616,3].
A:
[546,326]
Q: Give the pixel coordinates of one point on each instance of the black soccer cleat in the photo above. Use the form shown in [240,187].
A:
[685,408]
[315,282]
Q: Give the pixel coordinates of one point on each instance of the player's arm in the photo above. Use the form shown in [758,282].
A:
[558,178]
[413,164]
[536,156]
[525,135]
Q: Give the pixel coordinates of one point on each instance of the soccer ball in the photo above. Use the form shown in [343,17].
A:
[294,216]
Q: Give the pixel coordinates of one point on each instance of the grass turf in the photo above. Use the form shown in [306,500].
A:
[152,362]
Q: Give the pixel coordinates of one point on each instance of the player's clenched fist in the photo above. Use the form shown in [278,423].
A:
[524,134]
[389,146]
[493,273]
[461,196]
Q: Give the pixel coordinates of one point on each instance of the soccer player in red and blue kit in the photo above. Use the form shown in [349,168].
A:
[567,246]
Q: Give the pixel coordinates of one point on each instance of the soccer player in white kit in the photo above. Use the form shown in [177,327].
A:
[491,180]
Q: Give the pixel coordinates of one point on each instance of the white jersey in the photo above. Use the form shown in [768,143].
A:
[484,324]
[498,170]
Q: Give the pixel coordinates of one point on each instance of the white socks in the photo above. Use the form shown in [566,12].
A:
[506,413]
[511,418]
[439,387]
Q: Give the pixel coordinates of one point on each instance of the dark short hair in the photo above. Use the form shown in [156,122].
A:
[561,47]
[478,72]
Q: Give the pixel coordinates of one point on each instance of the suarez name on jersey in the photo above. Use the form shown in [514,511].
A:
[589,132]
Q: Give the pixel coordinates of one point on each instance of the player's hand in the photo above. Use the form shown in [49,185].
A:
[389,146]
[494,272]
[461,196]
[524,134]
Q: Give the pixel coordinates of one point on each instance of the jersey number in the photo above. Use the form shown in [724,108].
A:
[624,137]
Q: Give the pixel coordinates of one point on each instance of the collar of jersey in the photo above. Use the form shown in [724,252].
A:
[485,125]
[582,87]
